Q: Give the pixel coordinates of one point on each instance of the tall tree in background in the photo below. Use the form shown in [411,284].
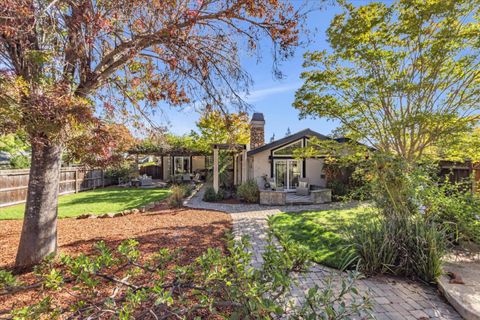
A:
[217,127]
[65,63]
[400,77]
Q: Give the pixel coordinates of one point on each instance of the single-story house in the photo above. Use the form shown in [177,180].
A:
[275,161]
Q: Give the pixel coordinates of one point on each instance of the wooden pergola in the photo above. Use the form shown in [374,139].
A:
[236,149]
[166,152]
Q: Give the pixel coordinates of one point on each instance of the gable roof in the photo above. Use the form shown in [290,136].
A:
[288,139]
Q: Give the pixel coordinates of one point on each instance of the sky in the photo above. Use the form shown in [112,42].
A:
[268,95]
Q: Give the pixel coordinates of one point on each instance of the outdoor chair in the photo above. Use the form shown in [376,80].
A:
[303,188]
[186,178]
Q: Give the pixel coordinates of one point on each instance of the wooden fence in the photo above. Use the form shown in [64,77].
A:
[14,183]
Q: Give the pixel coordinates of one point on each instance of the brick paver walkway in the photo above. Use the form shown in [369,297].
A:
[393,298]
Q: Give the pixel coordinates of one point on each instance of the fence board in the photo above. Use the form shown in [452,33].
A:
[14,183]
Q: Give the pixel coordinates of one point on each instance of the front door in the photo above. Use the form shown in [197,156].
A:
[287,173]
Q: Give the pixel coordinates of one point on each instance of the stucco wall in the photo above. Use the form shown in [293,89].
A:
[314,172]
[258,166]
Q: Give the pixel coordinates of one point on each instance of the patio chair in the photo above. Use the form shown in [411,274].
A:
[186,178]
[303,188]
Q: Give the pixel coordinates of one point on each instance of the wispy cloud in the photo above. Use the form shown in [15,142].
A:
[260,94]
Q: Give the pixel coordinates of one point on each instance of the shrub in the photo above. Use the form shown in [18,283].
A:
[224,285]
[221,195]
[179,192]
[454,208]
[210,195]
[405,246]
[248,191]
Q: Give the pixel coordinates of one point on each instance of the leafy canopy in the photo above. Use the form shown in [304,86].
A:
[400,77]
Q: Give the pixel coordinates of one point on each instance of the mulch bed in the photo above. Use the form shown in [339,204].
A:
[192,230]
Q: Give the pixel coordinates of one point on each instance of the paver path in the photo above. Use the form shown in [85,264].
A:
[393,298]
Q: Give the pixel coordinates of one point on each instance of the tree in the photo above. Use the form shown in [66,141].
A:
[401,77]
[66,63]
[216,126]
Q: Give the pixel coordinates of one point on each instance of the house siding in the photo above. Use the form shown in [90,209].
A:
[314,172]
[258,166]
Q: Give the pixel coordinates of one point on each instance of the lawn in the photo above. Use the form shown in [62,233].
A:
[98,201]
[324,232]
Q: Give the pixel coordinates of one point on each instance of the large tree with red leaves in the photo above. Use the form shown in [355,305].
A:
[66,65]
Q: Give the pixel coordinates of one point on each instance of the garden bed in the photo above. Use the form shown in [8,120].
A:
[193,231]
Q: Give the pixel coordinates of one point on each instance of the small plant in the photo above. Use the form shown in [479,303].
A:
[248,191]
[210,195]
[179,192]
[215,283]
[405,246]
[221,195]
[329,302]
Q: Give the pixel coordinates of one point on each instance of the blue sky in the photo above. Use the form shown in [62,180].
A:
[270,96]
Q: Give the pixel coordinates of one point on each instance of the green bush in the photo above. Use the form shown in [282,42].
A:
[405,246]
[215,284]
[221,195]
[248,191]
[210,195]
[454,208]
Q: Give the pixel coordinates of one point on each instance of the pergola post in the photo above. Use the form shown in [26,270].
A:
[244,165]
[235,168]
[215,169]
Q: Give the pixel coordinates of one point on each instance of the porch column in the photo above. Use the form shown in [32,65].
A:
[244,165]
[235,168]
[215,168]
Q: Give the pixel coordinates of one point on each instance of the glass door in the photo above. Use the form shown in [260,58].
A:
[294,172]
[287,173]
[280,174]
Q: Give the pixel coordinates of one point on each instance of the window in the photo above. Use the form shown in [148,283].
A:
[181,165]
[288,149]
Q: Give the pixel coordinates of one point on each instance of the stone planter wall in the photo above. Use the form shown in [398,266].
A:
[273,198]
[321,195]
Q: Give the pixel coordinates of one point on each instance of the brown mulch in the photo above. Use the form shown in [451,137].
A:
[192,230]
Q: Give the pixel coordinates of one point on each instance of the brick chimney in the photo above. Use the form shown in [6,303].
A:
[257,131]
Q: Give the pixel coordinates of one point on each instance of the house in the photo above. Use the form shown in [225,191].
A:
[274,161]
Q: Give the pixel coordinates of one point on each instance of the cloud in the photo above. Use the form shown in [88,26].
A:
[260,94]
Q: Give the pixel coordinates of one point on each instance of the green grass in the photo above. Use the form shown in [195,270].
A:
[323,232]
[99,201]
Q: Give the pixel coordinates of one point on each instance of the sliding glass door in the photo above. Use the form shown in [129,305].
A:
[287,173]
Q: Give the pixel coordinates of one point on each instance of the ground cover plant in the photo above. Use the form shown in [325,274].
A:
[324,232]
[98,201]
[123,283]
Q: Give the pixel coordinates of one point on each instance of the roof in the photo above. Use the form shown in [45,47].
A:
[288,139]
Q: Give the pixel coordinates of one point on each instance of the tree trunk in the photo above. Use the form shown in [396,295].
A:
[39,231]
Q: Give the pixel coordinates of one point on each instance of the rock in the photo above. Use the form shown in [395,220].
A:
[106,215]
[84,216]
[127,212]
[119,214]
[143,209]
[92,216]
[135,211]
